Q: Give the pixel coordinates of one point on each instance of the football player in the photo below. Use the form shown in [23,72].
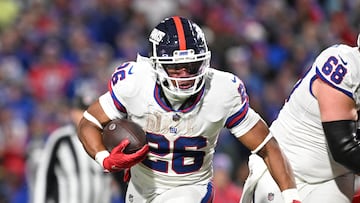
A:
[182,104]
[317,130]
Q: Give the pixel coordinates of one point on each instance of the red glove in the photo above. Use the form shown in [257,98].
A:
[356,197]
[118,160]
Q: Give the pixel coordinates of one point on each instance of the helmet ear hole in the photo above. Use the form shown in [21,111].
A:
[177,40]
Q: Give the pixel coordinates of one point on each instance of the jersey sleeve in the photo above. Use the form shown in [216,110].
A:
[249,121]
[337,67]
[108,105]
[122,86]
[241,116]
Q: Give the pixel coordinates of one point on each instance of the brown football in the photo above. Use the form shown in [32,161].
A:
[120,129]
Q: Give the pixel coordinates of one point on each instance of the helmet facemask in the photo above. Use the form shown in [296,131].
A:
[169,54]
[196,66]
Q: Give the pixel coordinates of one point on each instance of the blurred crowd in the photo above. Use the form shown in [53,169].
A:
[52,49]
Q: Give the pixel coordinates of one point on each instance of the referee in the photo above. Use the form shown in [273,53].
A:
[66,174]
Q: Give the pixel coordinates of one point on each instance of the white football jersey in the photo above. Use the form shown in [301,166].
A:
[181,141]
[298,128]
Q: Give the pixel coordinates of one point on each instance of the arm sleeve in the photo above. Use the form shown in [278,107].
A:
[242,117]
[343,142]
[249,121]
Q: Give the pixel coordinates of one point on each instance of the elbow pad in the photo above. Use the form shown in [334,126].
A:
[343,143]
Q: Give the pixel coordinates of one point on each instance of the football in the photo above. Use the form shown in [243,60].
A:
[120,129]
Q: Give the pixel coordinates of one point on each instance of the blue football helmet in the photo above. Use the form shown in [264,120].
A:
[179,42]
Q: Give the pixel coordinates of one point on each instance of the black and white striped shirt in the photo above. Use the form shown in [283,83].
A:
[67,174]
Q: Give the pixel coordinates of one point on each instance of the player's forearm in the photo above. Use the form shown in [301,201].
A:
[278,165]
[90,136]
[281,171]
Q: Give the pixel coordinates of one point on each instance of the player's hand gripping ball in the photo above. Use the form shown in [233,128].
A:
[120,129]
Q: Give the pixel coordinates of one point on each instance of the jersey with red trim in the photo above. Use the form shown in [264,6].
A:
[181,141]
[298,127]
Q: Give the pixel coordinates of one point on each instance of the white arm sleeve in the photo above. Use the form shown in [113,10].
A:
[92,119]
[249,122]
[262,144]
